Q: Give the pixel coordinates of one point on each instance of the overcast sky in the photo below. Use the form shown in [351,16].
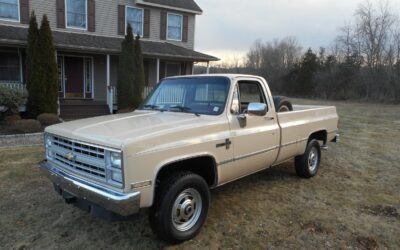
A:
[227,28]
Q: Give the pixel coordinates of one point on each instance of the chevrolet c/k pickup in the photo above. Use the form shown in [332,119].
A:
[192,134]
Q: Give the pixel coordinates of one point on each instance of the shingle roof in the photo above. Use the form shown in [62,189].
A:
[182,4]
[98,44]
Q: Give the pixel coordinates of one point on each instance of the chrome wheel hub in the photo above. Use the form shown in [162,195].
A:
[186,209]
[313,159]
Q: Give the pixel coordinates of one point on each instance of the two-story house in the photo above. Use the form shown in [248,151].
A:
[88,34]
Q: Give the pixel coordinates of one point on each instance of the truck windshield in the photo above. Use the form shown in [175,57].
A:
[197,95]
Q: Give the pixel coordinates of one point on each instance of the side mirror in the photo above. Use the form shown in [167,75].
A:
[258,109]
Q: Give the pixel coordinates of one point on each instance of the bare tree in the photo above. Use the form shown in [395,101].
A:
[374,27]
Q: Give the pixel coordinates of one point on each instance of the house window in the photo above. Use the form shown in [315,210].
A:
[174,31]
[9,9]
[134,17]
[10,67]
[76,14]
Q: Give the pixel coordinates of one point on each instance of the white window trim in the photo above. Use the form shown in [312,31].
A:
[126,20]
[170,39]
[88,58]
[18,20]
[66,17]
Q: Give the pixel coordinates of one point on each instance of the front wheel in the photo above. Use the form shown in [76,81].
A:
[307,165]
[180,207]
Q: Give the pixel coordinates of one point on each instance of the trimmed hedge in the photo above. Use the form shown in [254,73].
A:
[47,119]
[26,126]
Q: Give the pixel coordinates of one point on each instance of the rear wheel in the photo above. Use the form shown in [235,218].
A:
[180,207]
[307,165]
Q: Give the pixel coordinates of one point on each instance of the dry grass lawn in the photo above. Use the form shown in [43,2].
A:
[353,203]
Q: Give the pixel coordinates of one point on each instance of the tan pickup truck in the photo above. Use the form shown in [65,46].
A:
[193,133]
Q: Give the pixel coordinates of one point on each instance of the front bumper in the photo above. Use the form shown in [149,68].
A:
[120,203]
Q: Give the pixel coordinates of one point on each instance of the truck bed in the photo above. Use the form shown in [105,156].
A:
[297,125]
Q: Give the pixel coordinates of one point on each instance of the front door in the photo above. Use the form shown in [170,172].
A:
[255,145]
[74,77]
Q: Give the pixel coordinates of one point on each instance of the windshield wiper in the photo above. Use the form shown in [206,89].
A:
[184,109]
[152,107]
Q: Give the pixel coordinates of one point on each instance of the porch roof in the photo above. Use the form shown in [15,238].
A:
[11,35]
[185,5]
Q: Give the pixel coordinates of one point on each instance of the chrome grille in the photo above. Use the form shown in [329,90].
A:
[84,159]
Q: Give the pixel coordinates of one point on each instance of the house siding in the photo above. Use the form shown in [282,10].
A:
[106,19]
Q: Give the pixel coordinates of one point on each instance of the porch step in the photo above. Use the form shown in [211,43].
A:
[78,109]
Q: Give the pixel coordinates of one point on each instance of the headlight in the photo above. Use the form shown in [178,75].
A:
[47,144]
[48,141]
[114,166]
[116,176]
[115,160]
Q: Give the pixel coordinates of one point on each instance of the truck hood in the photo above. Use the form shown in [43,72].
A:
[117,131]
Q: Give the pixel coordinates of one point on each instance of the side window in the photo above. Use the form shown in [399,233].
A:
[76,14]
[134,17]
[174,23]
[250,91]
[9,10]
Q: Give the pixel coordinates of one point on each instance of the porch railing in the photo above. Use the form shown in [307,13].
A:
[147,90]
[112,96]
[14,85]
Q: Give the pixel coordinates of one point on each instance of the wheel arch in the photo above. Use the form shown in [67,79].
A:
[320,135]
[204,165]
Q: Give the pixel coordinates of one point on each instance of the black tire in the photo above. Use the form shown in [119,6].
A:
[306,165]
[282,104]
[161,213]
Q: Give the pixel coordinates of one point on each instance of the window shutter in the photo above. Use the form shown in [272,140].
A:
[61,14]
[121,19]
[91,15]
[24,11]
[146,23]
[185,29]
[163,27]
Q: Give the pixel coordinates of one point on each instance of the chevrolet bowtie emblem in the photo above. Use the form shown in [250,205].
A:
[70,156]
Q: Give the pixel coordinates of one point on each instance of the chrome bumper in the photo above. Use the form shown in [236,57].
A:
[336,138]
[120,203]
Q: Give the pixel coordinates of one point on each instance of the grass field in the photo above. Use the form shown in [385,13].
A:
[353,203]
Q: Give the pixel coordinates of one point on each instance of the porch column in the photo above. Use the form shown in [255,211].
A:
[208,67]
[110,93]
[58,95]
[158,70]
[20,66]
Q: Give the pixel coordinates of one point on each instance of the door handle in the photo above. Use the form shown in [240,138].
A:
[269,118]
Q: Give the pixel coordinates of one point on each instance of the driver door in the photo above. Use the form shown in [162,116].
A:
[255,144]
